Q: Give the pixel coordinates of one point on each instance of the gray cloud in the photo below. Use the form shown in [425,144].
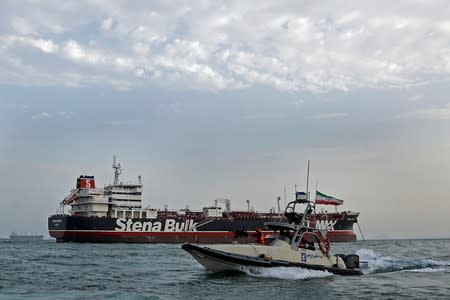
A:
[289,46]
[417,97]
[299,102]
[434,113]
[328,116]
[40,116]
[65,114]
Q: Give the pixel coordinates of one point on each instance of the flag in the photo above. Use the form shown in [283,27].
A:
[327,200]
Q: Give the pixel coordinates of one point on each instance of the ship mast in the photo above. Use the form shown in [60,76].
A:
[225,201]
[117,170]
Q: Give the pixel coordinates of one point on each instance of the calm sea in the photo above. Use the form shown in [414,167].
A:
[397,269]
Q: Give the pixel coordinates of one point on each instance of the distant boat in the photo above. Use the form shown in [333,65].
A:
[25,237]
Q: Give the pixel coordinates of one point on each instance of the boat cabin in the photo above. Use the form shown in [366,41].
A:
[309,241]
[296,235]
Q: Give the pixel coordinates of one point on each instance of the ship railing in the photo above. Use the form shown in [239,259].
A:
[92,200]
[89,192]
[121,189]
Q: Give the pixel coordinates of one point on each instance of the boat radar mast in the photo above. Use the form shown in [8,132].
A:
[117,170]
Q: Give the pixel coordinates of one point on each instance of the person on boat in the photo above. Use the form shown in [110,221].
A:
[309,245]
[259,235]
[306,244]
[302,243]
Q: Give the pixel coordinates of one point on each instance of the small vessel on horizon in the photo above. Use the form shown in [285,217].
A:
[25,237]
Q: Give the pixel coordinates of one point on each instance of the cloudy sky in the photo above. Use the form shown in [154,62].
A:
[229,99]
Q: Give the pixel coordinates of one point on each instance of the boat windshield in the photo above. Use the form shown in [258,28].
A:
[309,240]
[285,231]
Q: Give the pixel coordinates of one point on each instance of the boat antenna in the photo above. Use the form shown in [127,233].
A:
[307,181]
[278,201]
[315,197]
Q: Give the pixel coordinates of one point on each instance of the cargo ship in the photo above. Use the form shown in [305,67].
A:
[114,214]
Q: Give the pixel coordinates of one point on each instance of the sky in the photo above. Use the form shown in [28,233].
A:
[209,99]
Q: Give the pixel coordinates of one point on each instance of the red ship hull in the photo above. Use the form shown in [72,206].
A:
[65,228]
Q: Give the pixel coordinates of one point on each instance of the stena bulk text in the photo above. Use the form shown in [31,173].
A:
[123,224]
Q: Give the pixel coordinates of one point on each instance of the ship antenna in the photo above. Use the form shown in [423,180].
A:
[117,170]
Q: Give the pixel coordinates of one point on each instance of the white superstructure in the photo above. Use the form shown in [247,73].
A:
[118,200]
[124,200]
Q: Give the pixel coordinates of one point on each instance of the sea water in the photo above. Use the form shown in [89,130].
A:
[397,269]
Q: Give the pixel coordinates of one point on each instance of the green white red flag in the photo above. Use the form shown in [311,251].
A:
[327,200]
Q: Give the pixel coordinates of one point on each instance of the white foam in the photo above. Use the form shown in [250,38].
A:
[426,270]
[437,262]
[380,264]
[375,261]
[289,273]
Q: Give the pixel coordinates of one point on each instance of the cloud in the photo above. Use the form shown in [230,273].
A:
[299,102]
[73,51]
[418,97]
[19,106]
[47,46]
[328,116]
[65,114]
[22,26]
[40,116]
[268,116]
[107,24]
[123,122]
[288,46]
[435,113]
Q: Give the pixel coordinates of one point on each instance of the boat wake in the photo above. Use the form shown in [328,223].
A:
[285,273]
[384,264]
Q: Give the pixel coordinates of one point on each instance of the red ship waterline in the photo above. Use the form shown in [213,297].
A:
[115,214]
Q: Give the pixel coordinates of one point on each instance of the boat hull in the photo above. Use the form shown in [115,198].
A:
[219,261]
[67,228]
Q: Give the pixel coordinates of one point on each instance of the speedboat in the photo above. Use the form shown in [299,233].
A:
[294,244]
